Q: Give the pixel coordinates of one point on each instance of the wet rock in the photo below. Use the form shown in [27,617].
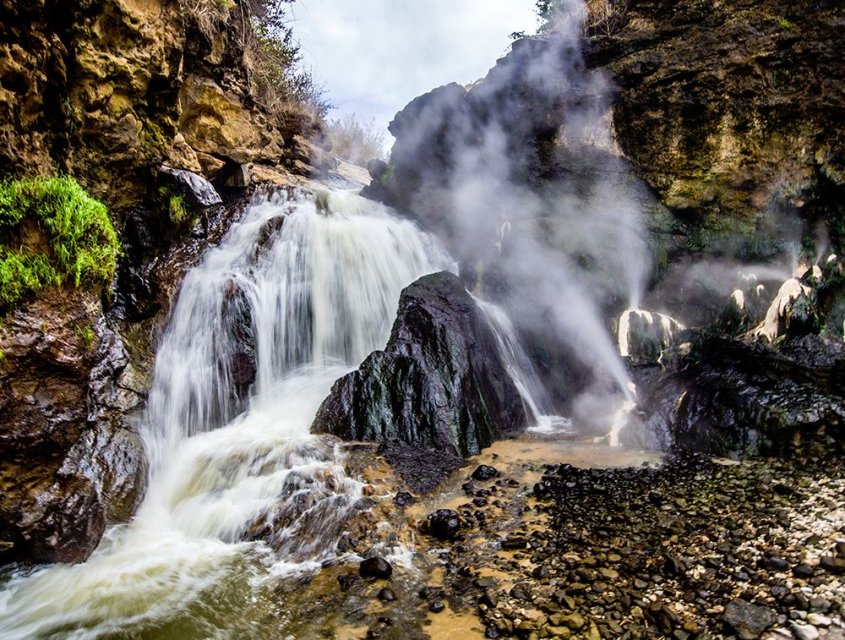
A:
[793,313]
[773,563]
[833,565]
[198,191]
[405,393]
[346,581]
[376,567]
[644,335]
[748,621]
[436,607]
[730,397]
[239,178]
[514,542]
[403,499]
[484,472]
[420,469]
[386,595]
[803,571]
[71,461]
[444,524]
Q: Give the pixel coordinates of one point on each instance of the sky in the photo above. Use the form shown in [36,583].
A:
[374,56]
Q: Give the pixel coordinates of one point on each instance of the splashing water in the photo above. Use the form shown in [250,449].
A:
[523,373]
[297,295]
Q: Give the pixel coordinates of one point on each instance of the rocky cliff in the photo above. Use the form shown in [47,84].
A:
[108,91]
[733,113]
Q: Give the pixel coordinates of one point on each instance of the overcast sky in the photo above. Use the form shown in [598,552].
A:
[375,56]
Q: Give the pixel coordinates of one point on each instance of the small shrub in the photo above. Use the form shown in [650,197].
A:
[603,17]
[78,242]
[86,335]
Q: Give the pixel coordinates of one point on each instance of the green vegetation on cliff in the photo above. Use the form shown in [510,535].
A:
[52,232]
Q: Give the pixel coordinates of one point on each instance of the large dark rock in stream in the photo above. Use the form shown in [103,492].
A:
[439,383]
[733,397]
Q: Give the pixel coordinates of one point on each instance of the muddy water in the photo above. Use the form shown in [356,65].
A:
[521,463]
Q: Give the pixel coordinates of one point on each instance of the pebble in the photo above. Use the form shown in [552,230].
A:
[386,595]
[804,631]
[818,620]
[484,472]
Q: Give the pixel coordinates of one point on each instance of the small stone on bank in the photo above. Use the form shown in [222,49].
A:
[484,472]
[376,567]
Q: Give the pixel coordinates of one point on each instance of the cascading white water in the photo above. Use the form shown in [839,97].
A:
[523,373]
[295,296]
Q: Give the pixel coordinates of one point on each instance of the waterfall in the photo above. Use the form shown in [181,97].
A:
[299,292]
[522,372]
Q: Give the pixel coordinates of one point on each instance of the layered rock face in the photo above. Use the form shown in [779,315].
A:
[71,461]
[108,90]
[733,113]
[440,382]
[730,397]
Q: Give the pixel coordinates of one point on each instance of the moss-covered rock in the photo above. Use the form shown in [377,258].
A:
[51,233]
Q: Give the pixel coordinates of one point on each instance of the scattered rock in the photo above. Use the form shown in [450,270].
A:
[444,524]
[749,621]
[436,607]
[833,565]
[403,499]
[484,472]
[386,595]
[804,631]
[376,567]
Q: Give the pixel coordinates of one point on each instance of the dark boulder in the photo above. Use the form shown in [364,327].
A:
[484,472]
[439,383]
[748,621]
[732,397]
[197,191]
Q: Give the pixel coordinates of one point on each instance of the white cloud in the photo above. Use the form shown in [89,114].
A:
[375,56]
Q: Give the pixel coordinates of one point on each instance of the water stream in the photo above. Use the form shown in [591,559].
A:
[298,294]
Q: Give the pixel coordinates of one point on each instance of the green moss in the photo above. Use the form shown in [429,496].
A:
[384,180]
[78,242]
[176,207]
[153,141]
[786,24]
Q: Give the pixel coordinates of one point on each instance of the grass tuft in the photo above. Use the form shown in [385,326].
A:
[76,240]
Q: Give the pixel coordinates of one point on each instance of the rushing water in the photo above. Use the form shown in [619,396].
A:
[304,288]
